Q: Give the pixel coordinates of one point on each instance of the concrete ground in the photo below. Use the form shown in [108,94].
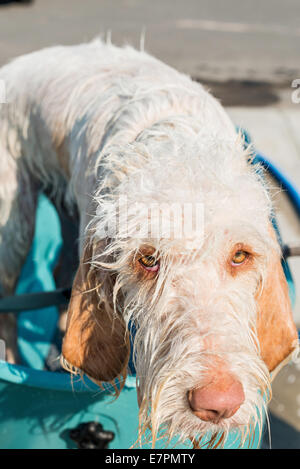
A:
[247,53]
[275,133]
[208,38]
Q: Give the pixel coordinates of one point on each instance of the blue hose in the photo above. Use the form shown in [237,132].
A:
[294,198]
[290,190]
[272,169]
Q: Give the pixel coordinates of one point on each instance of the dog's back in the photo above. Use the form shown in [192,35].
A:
[69,102]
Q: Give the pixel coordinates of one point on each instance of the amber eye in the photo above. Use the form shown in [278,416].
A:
[239,257]
[149,263]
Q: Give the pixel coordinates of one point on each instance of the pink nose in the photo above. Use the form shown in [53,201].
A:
[220,399]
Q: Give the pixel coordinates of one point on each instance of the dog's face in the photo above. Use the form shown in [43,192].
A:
[210,305]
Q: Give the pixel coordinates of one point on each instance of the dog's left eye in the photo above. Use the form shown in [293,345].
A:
[239,257]
[149,263]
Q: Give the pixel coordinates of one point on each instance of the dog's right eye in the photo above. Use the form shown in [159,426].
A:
[149,263]
[239,257]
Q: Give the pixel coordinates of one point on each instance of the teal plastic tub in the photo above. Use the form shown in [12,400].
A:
[39,408]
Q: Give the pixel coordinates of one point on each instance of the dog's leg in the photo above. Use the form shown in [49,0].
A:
[69,258]
[64,273]
[18,198]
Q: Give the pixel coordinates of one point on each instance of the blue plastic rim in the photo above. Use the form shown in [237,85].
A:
[40,379]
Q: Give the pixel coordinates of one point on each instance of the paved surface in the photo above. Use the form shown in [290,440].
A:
[247,52]
[275,132]
[207,38]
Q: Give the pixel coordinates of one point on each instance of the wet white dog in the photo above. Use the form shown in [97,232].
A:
[175,234]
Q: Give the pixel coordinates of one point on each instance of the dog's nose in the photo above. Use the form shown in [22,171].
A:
[220,399]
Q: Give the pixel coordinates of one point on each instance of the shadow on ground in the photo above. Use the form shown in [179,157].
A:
[283,436]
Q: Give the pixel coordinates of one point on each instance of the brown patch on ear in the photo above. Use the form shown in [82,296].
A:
[277,333]
[96,341]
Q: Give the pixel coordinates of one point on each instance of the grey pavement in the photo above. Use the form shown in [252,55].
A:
[275,133]
[247,52]
[217,39]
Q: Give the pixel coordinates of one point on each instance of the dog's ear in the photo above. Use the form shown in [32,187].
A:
[277,333]
[96,340]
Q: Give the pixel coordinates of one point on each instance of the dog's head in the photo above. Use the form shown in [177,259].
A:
[208,299]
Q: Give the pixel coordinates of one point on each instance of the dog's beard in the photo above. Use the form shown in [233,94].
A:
[165,411]
[170,360]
